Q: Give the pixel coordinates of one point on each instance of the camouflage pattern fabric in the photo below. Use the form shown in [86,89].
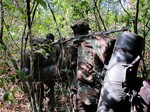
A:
[91,58]
[93,52]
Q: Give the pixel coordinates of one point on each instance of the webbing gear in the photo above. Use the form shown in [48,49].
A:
[100,75]
[127,66]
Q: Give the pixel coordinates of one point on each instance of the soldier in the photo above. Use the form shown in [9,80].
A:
[90,61]
[52,70]
[121,86]
[45,70]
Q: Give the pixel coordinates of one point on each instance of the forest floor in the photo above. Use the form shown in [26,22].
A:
[19,102]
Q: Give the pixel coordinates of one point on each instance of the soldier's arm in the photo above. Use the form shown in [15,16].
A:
[84,79]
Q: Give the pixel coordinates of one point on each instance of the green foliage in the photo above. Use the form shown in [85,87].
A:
[66,13]
[41,52]
[6,96]
[21,75]
[42,3]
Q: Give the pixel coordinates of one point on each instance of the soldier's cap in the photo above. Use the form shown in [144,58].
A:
[81,25]
[50,36]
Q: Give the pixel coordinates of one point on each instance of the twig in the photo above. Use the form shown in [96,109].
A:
[95,4]
[60,62]
[96,18]
[124,9]
[22,57]
[30,89]
[2,20]
[11,35]
[136,17]
[54,19]
[34,13]
[9,55]
[1,38]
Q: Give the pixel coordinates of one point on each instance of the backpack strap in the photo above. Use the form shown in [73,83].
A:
[128,66]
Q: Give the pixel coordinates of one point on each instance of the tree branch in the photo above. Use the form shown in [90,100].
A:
[54,19]
[34,11]
[60,60]
[30,89]
[1,38]
[95,4]
[2,20]
[99,28]
[124,8]
[22,57]
[136,17]
[11,35]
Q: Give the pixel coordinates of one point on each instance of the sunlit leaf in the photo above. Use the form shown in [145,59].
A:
[8,2]
[41,51]
[23,16]
[10,102]
[42,3]
[10,96]
[15,89]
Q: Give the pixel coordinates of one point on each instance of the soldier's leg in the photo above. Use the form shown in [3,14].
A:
[49,95]
[80,106]
[74,101]
[38,93]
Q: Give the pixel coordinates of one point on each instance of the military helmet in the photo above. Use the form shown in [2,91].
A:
[50,36]
[80,27]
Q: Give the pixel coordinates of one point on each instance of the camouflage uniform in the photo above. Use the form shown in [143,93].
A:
[88,61]
[50,72]
[45,71]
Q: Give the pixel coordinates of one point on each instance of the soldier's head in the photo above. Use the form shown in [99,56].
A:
[50,36]
[80,27]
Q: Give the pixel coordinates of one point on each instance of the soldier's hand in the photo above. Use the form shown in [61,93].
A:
[77,41]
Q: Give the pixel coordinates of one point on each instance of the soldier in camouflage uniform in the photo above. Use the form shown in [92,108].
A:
[52,69]
[90,61]
[45,71]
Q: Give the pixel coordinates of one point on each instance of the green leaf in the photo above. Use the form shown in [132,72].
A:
[1,82]
[41,51]
[42,3]
[8,2]
[21,74]
[6,96]
[1,47]
[10,102]
[10,96]
[15,89]
[1,71]
[1,106]
[13,78]
[23,16]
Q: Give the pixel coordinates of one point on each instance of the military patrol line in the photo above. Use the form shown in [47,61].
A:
[101,71]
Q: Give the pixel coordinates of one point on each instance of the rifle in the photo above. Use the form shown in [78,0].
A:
[82,37]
